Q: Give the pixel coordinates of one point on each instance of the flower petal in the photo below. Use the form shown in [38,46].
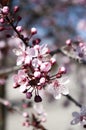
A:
[75,121]
[21,46]
[20,60]
[65,91]
[75,114]
[27,59]
[22,88]
[17,52]
[83,109]
[57,96]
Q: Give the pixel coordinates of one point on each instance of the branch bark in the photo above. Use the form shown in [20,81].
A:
[9,70]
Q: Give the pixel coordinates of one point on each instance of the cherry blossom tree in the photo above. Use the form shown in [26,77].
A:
[32,62]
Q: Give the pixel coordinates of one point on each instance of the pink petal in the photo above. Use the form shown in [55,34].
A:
[27,59]
[44,49]
[20,60]
[22,88]
[17,52]
[21,46]
[45,66]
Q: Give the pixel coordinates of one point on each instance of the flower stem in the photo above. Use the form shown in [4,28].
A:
[14,28]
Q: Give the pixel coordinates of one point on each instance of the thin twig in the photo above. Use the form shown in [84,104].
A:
[14,28]
[7,104]
[73,100]
[63,51]
[71,56]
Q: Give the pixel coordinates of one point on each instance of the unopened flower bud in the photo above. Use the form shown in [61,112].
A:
[1,20]
[26,123]
[42,80]
[5,10]
[2,28]
[28,95]
[8,35]
[37,74]
[58,75]
[19,18]
[7,103]
[39,87]
[81,44]
[25,114]
[19,28]
[68,42]
[16,9]
[62,70]
[53,60]
[36,41]
[37,98]
[33,31]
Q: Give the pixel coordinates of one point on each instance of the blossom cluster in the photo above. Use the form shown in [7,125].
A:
[36,64]
[78,48]
[35,119]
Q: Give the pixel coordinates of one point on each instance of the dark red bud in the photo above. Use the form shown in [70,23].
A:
[37,98]
[28,95]
[36,41]
[19,18]
[16,9]
[58,75]
[2,28]
[8,35]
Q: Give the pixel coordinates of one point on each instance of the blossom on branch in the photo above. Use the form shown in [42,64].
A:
[35,74]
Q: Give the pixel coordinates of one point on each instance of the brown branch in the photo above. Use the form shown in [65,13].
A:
[69,97]
[71,56]
[7,104]
[9,70]
[63,51]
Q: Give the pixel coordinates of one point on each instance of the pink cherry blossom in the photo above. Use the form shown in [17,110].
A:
[5,9]
[20,79]
[79,117]
[46,66]
[59,87]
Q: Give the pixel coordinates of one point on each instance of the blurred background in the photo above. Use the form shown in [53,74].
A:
[56,21]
